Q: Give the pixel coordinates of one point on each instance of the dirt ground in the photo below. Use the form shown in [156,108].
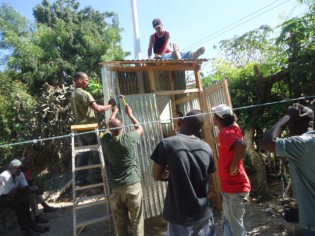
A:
[261,218]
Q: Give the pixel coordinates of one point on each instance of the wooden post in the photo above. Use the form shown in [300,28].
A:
[151,79]
[172,86]
[198,77]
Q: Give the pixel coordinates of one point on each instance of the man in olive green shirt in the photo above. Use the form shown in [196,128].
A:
[119,148]
[84,106]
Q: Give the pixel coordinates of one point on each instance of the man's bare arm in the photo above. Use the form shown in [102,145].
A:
[115,111]
[159,173]
[99,108]
[134,120]
[102,108]
[269,140]
[239,152]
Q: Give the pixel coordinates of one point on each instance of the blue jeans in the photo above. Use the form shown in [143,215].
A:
[202,228]
[184,55]
[233,213]
[84,157]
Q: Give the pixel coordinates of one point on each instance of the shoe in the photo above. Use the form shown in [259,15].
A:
[199,52]
[50,209]
[40,220]
[176,53]
[82,182]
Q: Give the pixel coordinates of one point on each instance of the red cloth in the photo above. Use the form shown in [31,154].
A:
[27,174]
[231,184]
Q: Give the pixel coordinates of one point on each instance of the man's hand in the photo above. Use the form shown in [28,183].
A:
[115,109]
[112,102]
[296,111]
[165,175]
[234,170]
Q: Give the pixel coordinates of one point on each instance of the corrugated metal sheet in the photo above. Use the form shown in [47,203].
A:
[145,110]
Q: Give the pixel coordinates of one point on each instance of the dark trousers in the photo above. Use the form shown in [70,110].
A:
[21,207]
[85,157]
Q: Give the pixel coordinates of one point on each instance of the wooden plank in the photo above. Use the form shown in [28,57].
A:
[84,127]
[117,79]
[54,197]
[198,77]
[227,93]
[152,82]
[151,62]
[172,87]
[159,67]
[176,92]
[186,99]
[214,88]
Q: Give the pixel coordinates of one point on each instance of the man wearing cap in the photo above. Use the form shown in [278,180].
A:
[235,185]
[14,194]
[299,149]
[186,162]
[160,42]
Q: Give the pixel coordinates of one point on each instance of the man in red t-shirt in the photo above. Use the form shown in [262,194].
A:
[235,185]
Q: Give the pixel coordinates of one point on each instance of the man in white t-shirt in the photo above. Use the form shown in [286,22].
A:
[14,191]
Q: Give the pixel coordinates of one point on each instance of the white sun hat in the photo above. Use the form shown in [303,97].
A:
[222,110]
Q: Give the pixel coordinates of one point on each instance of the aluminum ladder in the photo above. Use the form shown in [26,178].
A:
[103,199]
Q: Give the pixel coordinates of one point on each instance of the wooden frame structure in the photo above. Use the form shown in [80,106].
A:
[168,78]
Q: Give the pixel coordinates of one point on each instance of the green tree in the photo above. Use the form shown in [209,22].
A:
[64,41]
[263,68]
[40,61]
[17,119]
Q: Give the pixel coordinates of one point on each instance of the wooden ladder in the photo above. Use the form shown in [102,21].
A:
[103,199]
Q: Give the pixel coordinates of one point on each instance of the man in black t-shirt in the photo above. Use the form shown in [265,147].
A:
[186,162]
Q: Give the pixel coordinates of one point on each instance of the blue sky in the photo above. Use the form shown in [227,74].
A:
[192,23]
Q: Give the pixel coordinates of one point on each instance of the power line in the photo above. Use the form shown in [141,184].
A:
[236,23]
[150,122]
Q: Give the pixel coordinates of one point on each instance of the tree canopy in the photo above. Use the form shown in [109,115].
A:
[39,60]
[265,68]
[64,40]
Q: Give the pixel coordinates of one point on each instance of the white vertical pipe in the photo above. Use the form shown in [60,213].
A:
[137,48]
[136,32]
